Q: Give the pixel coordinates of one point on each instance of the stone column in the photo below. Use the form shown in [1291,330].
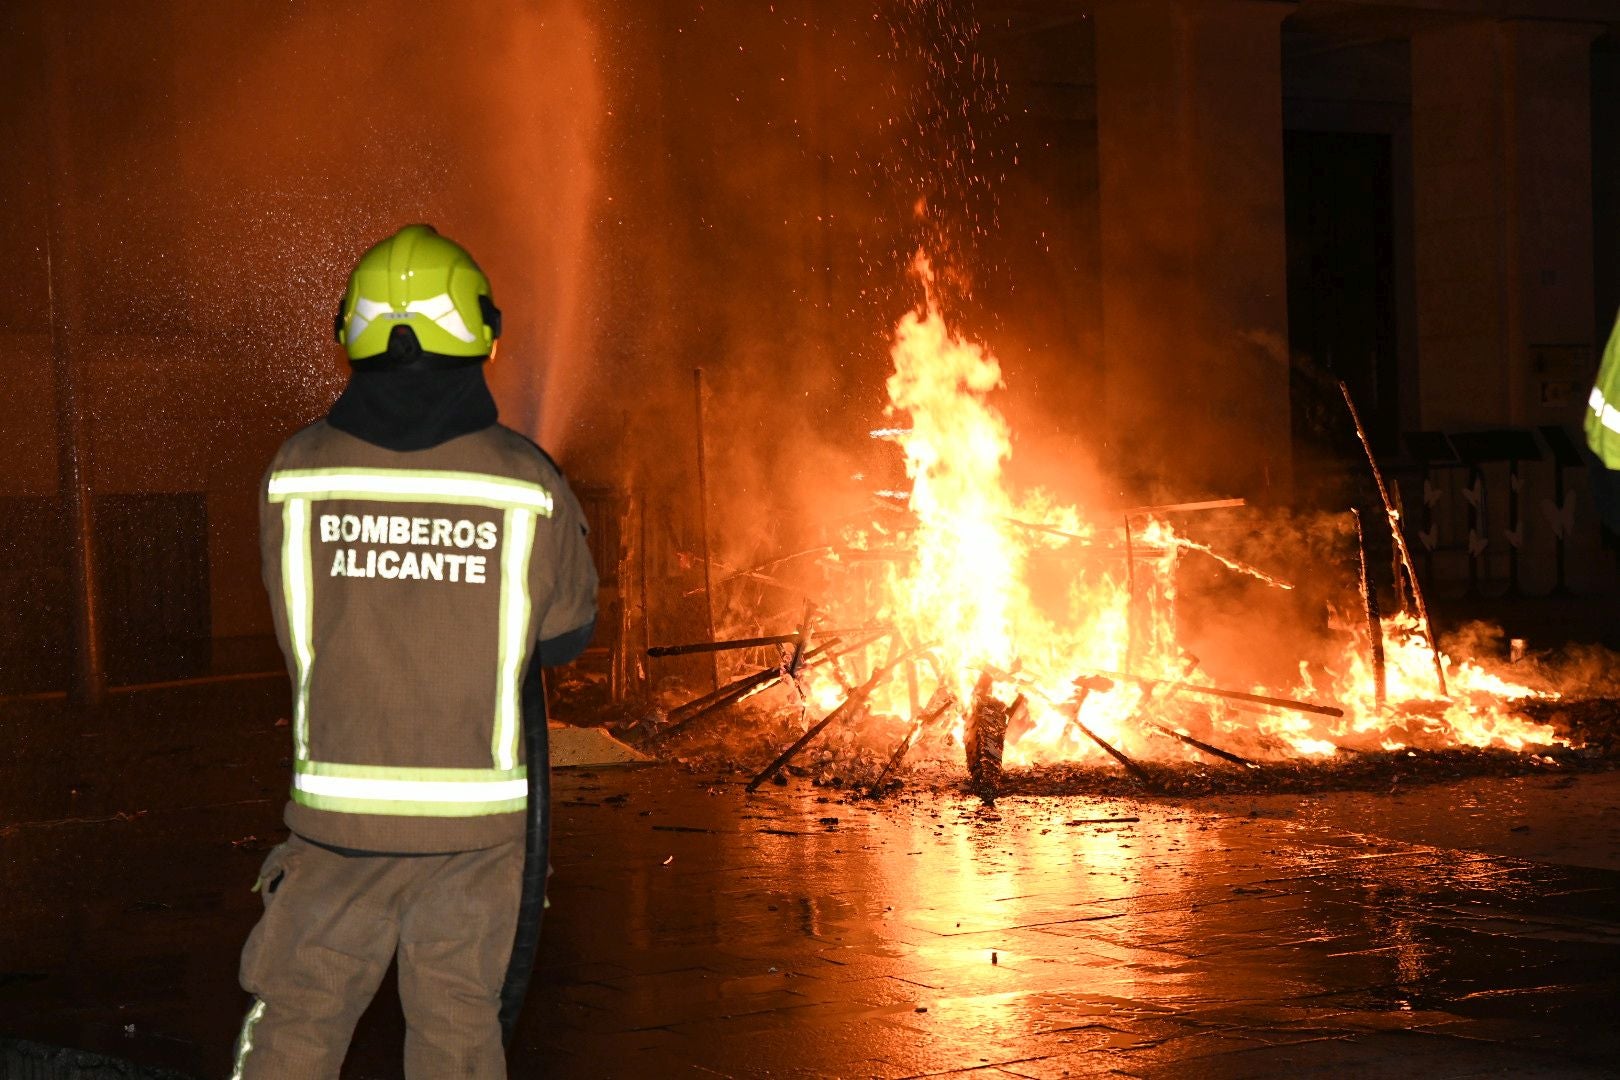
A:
[1194,275]
[1502,190]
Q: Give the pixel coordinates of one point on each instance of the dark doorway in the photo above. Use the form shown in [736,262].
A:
[1338,195]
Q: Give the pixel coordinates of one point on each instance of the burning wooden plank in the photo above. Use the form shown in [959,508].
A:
[1086,685]
[1184,507]
[854,703]
[1241,696]
[733,644]
[1139,716]
[1261,699]
[941,703]
[1198,744]
[1235,565]
[682,715]
[801,644]
[826,653]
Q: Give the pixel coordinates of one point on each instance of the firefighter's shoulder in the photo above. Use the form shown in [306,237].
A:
[309,440]
[523,450]
[300,449]
[530,462]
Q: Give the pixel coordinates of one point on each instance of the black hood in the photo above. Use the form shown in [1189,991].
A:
[414,409]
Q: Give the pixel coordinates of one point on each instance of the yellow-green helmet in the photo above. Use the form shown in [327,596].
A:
[417,293]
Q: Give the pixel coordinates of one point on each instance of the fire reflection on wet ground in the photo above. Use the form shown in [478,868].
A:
[1052,937]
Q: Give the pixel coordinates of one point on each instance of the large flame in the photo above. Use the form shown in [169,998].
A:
[962,576]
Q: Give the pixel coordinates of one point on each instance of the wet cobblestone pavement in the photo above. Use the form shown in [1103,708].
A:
[699,931]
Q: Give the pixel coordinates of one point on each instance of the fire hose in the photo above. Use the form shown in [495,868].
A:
[536,851]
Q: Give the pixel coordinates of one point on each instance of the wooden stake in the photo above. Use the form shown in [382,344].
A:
[1399,537]
[1369,604]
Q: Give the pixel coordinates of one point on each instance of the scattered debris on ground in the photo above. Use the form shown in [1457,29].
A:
[741,740]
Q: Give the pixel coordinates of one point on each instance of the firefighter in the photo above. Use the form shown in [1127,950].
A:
[1603,440]
[419,558]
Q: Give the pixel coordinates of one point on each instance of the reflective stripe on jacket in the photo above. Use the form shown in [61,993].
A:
[409,592]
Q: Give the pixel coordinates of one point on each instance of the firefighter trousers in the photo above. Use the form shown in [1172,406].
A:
[332,923]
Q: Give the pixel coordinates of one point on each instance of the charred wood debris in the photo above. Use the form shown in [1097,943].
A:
[732,730]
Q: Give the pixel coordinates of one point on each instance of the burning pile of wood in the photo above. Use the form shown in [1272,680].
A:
[1028,632]
[839,676]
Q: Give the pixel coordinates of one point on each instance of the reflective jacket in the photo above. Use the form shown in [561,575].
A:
[1603,408]
[409,592]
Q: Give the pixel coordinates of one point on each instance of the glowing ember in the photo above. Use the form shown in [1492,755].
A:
[972,575]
